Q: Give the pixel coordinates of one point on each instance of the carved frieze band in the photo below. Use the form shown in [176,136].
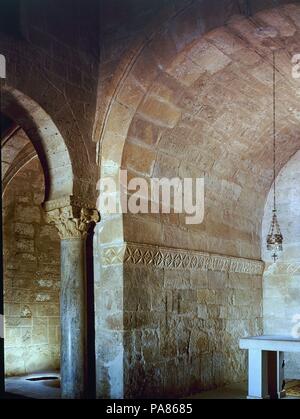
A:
[170,258]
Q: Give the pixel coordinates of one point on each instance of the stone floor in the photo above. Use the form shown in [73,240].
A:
[21,387]
[39,389]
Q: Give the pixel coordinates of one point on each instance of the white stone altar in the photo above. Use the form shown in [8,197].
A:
[266,364]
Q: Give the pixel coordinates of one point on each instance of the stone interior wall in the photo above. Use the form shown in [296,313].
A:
[31,277]
[173,328]
[281,281]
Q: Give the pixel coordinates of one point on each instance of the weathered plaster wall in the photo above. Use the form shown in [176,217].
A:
[208,103]
[31,277]
[281,281]
[170,320]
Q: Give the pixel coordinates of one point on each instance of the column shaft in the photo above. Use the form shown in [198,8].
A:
[73,318]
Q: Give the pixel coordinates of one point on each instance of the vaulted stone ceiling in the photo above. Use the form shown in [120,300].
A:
[202,106]
[17,151]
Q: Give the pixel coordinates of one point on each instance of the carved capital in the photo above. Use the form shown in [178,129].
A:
[170,258]
[72,221]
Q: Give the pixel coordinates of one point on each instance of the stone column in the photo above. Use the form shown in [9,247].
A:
[73,223]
